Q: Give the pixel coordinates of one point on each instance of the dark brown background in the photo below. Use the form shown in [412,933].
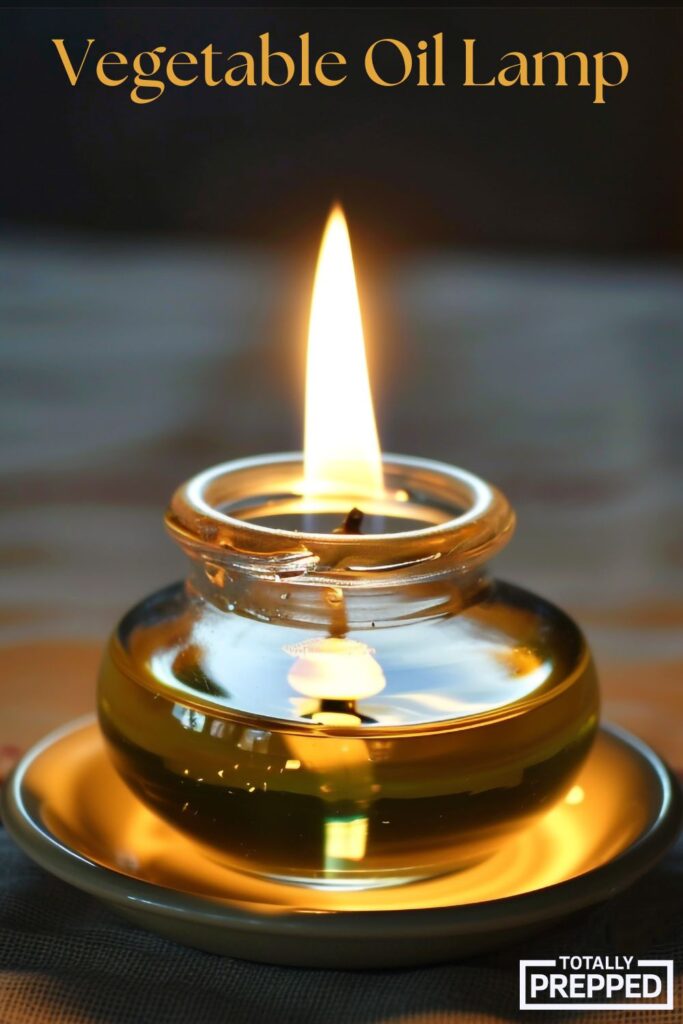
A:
[418,167]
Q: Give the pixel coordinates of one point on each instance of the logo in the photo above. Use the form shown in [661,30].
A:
[596,983]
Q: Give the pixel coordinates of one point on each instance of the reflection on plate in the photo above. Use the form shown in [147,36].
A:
[70,812]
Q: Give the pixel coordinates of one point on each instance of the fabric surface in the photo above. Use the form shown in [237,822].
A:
[66,959]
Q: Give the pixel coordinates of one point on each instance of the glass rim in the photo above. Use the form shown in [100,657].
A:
[478,520]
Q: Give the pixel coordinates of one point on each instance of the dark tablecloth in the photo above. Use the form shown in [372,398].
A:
[67,959]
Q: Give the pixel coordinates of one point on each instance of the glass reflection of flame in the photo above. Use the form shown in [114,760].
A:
[335,672]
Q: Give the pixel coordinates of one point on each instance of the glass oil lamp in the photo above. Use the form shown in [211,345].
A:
[340,695]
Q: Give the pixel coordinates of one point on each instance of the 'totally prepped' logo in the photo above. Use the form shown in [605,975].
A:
[596,983]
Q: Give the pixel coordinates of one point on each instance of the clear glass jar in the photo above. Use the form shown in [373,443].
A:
[338,709]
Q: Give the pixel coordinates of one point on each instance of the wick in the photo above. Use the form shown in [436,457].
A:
[339,626]
[351,525]
[352,522]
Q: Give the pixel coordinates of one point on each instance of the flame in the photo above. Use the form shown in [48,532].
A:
[342,455]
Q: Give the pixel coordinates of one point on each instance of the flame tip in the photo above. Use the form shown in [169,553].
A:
[341,453]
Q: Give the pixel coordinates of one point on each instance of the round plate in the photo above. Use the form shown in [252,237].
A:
[68,809]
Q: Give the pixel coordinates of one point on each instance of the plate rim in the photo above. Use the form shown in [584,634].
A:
[544,904]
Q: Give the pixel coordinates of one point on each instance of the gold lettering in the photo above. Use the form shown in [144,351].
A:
[423,61]
[119,61]
[208,53]
[336,60]
[173,60]
[72,75]
[519,65]
[561,59]
[266,57]
[438,59]
[469,65]
[143,79]
[422,70]
[249,66]
[371,70]
[600,80]
[305,38]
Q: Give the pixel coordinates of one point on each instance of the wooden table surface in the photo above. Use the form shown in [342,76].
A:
[126,368]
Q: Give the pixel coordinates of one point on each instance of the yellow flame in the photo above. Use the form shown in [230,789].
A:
[341,447]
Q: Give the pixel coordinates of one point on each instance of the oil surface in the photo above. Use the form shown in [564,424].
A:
[502,649]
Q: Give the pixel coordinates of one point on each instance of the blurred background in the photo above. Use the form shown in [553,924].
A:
[519,258]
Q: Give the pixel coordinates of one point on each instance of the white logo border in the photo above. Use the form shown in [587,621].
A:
[668,1005]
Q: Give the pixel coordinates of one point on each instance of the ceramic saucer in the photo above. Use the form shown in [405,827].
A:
[67,808]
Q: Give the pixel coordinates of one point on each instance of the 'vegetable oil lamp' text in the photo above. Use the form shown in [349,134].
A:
[340,695]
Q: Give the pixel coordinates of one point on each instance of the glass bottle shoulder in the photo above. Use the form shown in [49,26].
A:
[505,648]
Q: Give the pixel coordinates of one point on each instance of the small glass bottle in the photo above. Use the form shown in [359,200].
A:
[345,709]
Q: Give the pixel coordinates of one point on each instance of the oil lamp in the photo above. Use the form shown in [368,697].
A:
[340,695]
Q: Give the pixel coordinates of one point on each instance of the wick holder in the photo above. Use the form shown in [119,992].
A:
[345,710]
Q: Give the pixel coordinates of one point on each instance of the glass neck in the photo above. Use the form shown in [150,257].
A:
[331,607]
